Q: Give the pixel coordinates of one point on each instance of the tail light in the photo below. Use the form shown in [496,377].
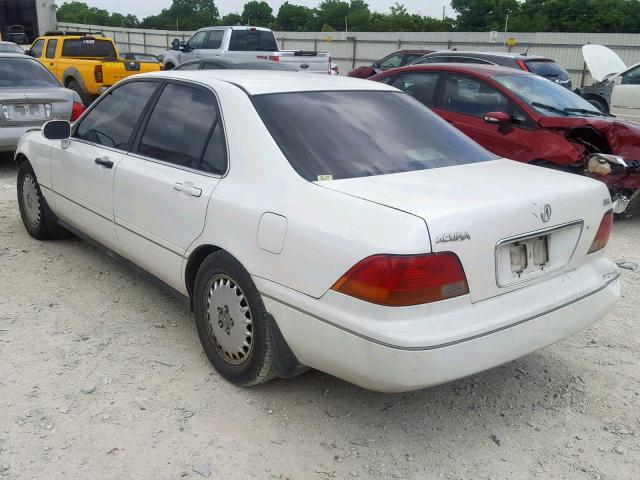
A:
[403,280]
[603,233]
[76,111]
[522,65]
[97,73]
[274,58]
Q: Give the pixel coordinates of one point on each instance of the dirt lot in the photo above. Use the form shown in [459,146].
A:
[102,377]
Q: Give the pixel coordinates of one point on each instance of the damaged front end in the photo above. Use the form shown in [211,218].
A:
[611,154]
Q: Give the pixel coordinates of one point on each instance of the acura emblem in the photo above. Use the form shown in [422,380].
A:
[545,213]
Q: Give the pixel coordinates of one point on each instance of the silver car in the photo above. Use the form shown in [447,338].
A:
[29,96]
[10,47]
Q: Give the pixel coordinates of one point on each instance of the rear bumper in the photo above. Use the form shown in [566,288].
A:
[9,137]
[391,366]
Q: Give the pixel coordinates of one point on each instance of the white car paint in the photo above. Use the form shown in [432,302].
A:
[623,83]
[297,238]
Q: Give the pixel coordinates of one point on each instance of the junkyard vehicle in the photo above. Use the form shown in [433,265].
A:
[30,96]
[225,64]
[396,59]
[542,66]
[243,44]
[10,47]
[87,63]
[17,34]
[356,232]
[617,87]
[517,115]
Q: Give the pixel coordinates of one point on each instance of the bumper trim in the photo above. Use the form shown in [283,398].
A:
[609,279]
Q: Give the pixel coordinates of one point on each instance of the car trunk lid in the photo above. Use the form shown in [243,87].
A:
[488,212]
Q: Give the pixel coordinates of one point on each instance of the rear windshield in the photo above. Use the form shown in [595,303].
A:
[346,134]
[252,41]
[18,72]
[546,68]
[88,47]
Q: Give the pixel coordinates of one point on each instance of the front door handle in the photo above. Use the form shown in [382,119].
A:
[104,162]
[188,188]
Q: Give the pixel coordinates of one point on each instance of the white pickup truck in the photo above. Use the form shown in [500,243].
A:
[242,44]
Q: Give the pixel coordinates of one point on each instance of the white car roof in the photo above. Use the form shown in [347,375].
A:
[261,82]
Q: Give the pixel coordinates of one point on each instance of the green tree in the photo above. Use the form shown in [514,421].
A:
[185,15]
[231,19]
[257,13]
[294,18]
[478,15]
[333,13]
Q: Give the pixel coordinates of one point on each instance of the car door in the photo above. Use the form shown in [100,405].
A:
[162,188]
[463,101]
[50,55]
[193,48]
[83,168]
[625,99]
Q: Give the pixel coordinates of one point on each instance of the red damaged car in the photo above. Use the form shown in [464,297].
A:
[525,117]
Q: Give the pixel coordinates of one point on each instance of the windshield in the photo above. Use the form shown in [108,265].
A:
[252,41]
[546,68]
[88,47]
[547,98]
[25,72]
[346,134]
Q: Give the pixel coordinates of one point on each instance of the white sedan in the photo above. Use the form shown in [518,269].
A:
[325,222]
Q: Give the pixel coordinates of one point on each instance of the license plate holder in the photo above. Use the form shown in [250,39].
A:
[529,255]
[27,111]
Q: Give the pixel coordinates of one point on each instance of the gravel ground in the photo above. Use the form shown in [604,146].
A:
[102,376]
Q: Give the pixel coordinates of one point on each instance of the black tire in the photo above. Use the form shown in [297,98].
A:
[169,66]
[258,364]
[599,104]
[37,217]
[84,96]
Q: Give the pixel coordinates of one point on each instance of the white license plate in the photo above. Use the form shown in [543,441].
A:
[28,111]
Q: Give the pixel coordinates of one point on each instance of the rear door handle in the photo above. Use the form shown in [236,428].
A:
[104,162]
[190,189]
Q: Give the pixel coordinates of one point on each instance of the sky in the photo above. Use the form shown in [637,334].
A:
[143,8]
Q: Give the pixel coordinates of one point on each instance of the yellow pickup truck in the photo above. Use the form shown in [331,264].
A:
[88,63]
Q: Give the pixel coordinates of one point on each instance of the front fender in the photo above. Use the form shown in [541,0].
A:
[36,149]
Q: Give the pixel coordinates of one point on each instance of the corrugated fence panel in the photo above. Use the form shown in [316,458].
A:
[349,49]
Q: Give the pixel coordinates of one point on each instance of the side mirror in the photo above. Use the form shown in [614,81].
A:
[56,130]
[175,45]
[497,118]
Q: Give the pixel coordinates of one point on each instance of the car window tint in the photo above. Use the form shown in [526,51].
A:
[439,59]
[197,41]
[215,156]
[346,134]
[114,118]
[88,47]
[393,61]
[180,126]
[546,68]
[632,77]
[476,61]
[421,86]
[252,41]
[36,48]
[472,97]
[25,72]
[215,39]
[51,48]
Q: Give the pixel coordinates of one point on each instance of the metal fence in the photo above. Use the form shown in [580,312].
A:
[350,49]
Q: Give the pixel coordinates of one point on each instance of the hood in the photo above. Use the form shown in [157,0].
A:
[602,62]
[623,136]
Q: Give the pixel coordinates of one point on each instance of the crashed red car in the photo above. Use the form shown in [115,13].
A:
[525,117]
[393,60]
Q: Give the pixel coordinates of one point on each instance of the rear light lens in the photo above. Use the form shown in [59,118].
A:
[76,111]
[603,233]
[274,58]
[522,65]
[97,73]
[403,280]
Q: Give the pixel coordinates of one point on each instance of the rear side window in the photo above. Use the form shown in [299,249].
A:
[472,97]
[410,57]
[114,118]
[421,86]
[393,61]
[252,40]
[185,129]
[51,48]
[88,47]
[215,39]
[36,49]
[348,134]
[25,72]
[546,68]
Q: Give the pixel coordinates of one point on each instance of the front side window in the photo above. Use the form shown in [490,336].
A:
[410,57]
[115,117]
[88,47]
[51,48]
[214,41]
[632,77]
[198,40]
[472,97]
[421,86]
[393,61]
[185,129]
[347,134]
[25,72]
[36,48]
[253,41]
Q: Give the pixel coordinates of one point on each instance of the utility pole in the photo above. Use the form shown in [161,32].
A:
[444,7]
[346,24]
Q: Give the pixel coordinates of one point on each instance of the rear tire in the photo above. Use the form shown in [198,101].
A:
[37,217]
[84,96]
[169,66]
[232,321]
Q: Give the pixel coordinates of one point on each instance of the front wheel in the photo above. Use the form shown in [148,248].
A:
[232,321]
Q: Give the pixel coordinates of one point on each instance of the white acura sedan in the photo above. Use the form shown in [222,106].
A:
[325,222]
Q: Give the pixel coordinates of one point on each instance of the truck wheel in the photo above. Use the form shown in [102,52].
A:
[169,66]
[599,104]
[232,322]
[84,96]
